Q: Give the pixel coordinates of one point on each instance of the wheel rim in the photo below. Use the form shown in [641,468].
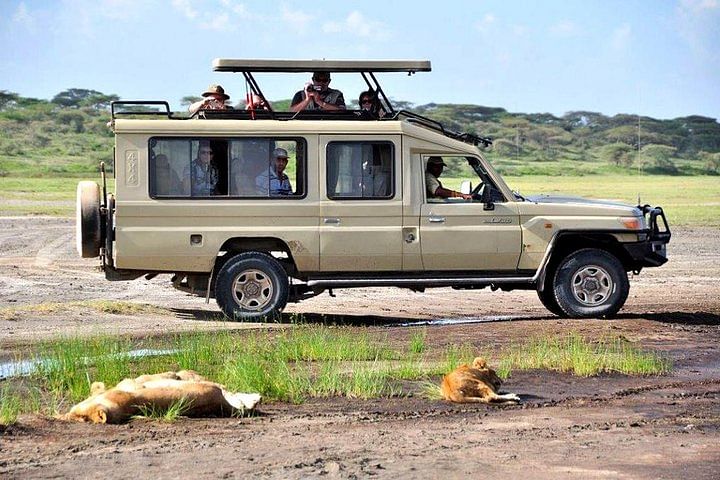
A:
[592,285]
[252,290]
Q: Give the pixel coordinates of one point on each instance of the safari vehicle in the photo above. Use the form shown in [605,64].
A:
[358,214]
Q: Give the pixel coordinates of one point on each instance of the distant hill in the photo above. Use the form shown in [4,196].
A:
[68,135]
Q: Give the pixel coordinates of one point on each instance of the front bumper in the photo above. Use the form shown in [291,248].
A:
[651,249]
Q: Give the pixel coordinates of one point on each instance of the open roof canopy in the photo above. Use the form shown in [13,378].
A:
[295,66]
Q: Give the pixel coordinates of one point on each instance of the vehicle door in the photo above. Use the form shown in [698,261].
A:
[361,204]
[458,234]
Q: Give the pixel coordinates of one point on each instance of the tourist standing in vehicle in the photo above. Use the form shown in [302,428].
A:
[370,106]
[435,189]
[317,95]
[201,177]
[274,181]
[215,98]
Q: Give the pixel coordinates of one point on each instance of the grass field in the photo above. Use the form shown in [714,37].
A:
[294,365]
[689,201]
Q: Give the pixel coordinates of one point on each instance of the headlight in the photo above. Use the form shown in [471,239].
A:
[633,223]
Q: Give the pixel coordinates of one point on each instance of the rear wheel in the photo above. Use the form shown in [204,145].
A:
[590,283]
[252,286]
[88,223]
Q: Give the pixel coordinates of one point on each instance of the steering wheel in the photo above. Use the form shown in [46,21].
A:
[477,191]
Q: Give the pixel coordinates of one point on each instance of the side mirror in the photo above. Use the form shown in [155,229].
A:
[466,187]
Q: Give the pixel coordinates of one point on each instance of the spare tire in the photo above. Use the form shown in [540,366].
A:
[87,223]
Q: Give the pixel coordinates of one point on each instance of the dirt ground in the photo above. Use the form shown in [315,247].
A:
[610,426]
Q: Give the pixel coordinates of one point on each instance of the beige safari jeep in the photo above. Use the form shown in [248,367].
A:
[258,208]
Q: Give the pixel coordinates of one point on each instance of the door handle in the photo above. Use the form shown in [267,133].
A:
[331,221]
[436,219]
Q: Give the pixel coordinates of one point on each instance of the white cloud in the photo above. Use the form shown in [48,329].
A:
[565,28]
[621,36]
[697,24]
[486,23]
[699,6]
[356,24]
[296,19]
[219,22]
[185,7]
[23,17]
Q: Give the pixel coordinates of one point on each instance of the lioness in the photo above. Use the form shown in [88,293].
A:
[478,383]
[162,390]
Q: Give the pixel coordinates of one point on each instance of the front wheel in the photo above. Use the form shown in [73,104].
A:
[590,283]
[252,286]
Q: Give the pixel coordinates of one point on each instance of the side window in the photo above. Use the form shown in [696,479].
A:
[188,167]
[222,168]
[267,167]
[360,170]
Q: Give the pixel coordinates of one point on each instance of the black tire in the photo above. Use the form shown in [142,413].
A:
[252,286]
[547,297]
[87,222]
[590,283]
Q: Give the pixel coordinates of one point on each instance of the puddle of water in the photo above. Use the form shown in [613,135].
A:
[460,321]
[26,367]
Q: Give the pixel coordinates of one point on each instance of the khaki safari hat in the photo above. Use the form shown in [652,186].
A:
[436,161]
[215,90]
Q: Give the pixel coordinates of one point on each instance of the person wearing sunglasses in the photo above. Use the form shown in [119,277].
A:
[317,95]
[370,106]
[201,177]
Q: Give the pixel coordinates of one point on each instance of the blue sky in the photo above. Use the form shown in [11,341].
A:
[659,58]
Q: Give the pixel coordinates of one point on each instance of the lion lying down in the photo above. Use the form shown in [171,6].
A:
[478,384]
[160,391]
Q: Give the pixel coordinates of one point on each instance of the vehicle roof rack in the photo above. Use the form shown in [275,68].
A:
[426,122]
[366,68]
[116,108]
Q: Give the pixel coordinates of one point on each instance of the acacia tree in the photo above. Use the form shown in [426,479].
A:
[8,99]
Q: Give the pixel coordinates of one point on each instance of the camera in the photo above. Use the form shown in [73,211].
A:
[317,88]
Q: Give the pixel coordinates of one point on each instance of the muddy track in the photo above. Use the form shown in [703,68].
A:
[608,426]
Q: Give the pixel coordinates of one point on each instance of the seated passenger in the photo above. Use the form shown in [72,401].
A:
[201,177]
[274,181]
[166,179]
[318,96]
[215,98]
[434,187]
[370,105]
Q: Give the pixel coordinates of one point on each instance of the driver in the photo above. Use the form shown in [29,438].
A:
[435,189]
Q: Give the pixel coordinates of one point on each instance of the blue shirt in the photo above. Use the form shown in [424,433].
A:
[276,185]
[202,180]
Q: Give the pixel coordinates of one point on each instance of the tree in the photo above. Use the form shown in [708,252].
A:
[188,100]
[618,154]
[658,158]
[74,97]
[99,101]
[8,99]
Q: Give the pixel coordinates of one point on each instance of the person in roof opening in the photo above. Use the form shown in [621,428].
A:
[214,99]
[257,103]
[317,95]
[201,177]
[370,106]
[274,181]
[435,189]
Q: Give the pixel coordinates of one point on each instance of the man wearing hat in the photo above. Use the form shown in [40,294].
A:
[214,99]
[274,181]
[435,189]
